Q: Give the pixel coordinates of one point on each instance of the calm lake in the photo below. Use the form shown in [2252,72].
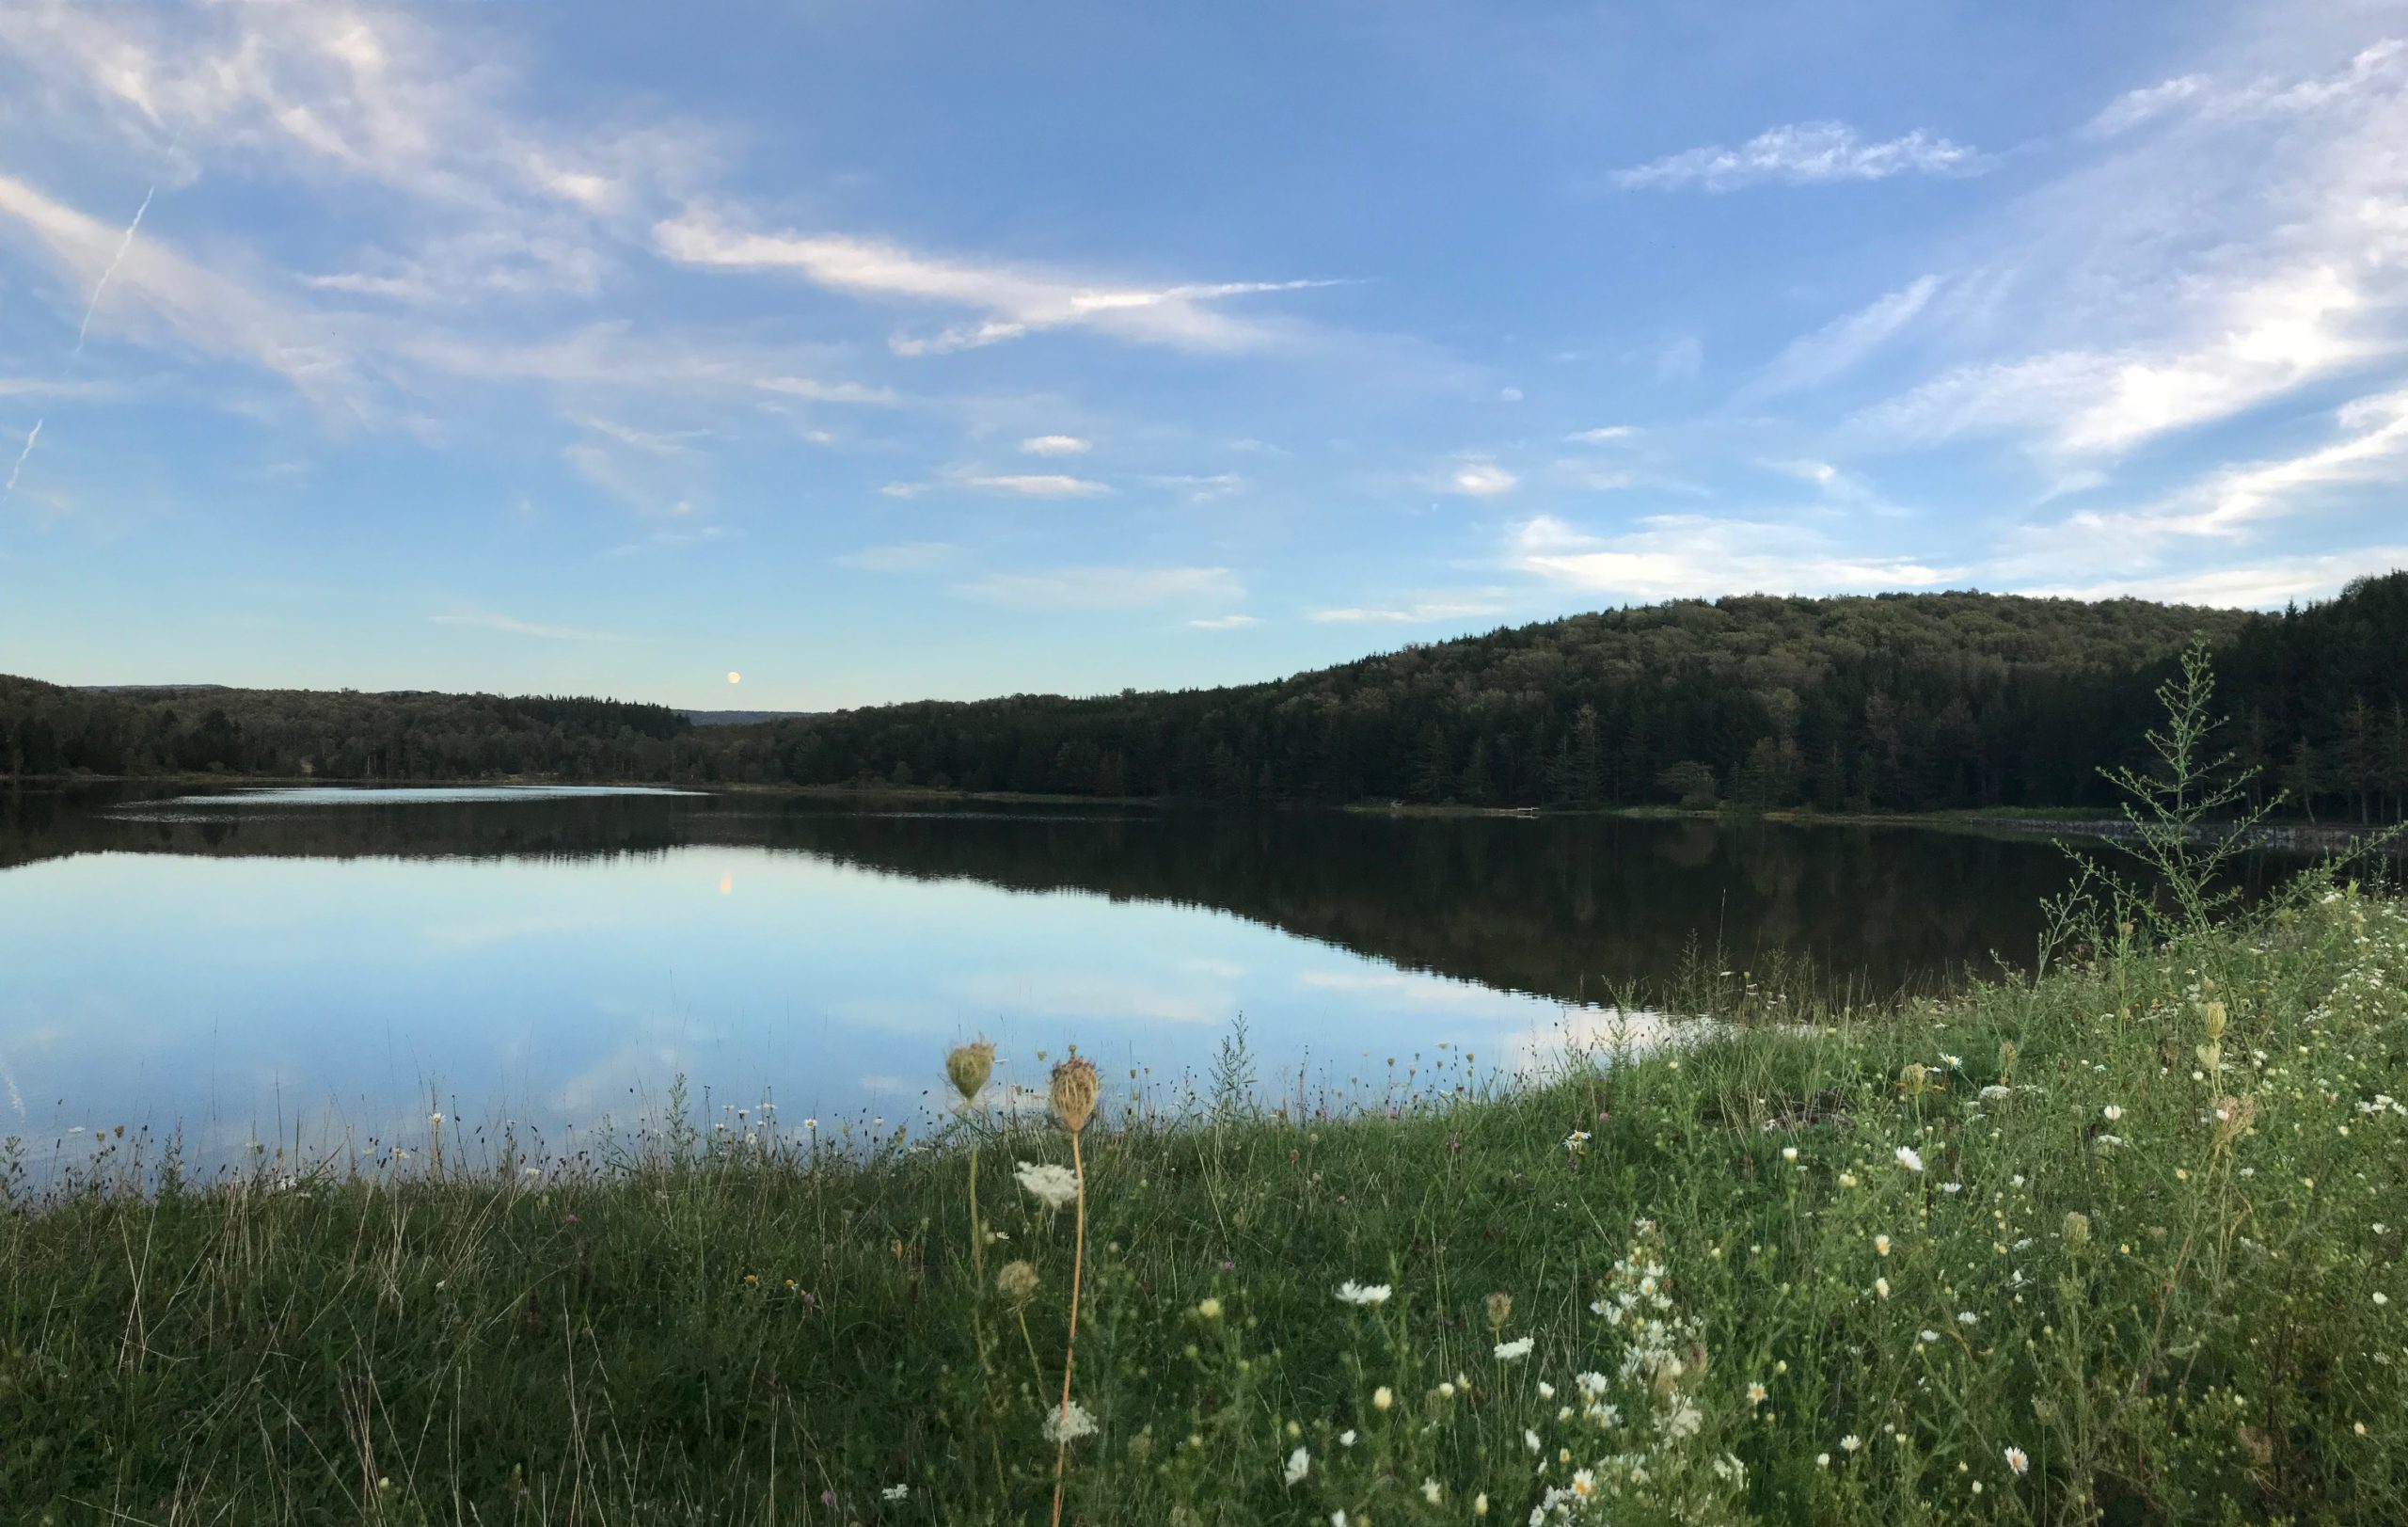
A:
[317,965]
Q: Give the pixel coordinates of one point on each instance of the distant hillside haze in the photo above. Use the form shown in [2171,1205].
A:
[1891,702]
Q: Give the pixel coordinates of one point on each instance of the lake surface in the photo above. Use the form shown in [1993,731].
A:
[323,966]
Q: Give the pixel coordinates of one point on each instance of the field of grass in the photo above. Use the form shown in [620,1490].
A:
[2121,1244]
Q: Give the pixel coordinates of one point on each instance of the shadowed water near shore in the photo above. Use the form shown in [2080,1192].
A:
[281,968]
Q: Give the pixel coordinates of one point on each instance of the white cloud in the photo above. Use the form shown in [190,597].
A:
[1016,302]
[510,624]
[359,94]
[2134,107]
[1420,613]
[1695,556]
[2375,448]
[156,293]
[817,392]
[1480,480]
[1057,445]
[1802,153]
[1844,344]
[1602,435]
[2252,243]
[2256,584]
[1034,486]
[1105,588]
[1225,623]
[907,557]
[2230,503]
[2259,342]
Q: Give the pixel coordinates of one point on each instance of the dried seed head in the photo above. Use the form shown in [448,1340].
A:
[1500,1309]
[2006,1054]
[2214,1015]
[2234,1116]
[2077,1229]
[1016,1283]
[1074,1093]
[968,1066]
[1914,1078]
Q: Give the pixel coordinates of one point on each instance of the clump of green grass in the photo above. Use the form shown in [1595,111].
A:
[2120,1243]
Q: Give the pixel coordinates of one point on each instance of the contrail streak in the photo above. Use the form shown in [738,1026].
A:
[31,436]
[102,284]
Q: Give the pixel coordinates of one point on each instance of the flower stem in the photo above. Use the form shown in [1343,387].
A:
[1071,1353]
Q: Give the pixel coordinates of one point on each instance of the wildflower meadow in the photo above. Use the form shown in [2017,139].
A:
[2119,1241]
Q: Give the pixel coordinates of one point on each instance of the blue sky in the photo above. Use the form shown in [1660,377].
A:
[883,351]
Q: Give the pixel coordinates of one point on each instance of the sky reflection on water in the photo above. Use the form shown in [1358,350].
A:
[304,965]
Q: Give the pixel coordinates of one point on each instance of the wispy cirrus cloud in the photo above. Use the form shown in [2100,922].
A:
[1699,556]
[2228,507]
[1014,302]
[1802,153]
[1425,610]
[2257,583]
[155,292]
[2237,240]
[1843,344]
[1015,484]
[1225,623]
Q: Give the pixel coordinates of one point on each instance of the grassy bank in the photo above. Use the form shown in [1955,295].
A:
[2125,1247]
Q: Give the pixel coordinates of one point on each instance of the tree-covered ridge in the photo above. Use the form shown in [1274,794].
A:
[346,734]
[1896,701]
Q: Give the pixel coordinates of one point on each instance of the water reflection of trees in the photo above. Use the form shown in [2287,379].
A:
[1562,906]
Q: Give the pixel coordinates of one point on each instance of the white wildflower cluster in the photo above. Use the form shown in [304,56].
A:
[1067,1423]
[1051,1186]
[1647,1408]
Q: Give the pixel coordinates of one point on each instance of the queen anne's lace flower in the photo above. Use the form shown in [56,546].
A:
[1514,1350]
[1068,1422]
[1351,1292]
[1051,1186]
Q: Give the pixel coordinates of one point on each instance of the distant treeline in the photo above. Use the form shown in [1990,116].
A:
[1900,701]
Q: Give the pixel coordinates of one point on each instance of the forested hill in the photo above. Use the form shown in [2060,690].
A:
[1896,702]
[1900,701]
[340,735]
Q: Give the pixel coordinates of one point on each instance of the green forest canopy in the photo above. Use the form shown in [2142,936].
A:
[1900,701]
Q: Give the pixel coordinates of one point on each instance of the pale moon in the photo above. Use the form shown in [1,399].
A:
[734,677]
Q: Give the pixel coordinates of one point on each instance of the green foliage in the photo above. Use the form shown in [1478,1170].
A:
[1905,702]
